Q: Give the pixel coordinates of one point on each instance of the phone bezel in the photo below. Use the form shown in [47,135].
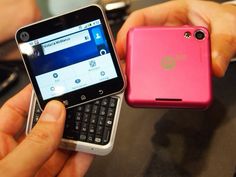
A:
[63,22]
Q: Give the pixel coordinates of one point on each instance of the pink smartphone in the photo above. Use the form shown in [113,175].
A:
[169,67]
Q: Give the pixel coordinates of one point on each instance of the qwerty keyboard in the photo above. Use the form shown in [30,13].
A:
[91,122]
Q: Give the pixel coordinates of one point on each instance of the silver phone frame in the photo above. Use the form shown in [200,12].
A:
[79,145]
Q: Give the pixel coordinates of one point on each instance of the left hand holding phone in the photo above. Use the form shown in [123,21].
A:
[36,154]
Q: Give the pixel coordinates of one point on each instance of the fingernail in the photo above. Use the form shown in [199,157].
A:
[52,111]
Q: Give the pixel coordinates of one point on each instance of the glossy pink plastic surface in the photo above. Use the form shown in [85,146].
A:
[168,69]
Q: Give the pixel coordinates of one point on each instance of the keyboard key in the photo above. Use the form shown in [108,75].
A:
[111,112]
[97,102]
[77,126]
[102,111]
[86,117]
[105,102]
[90,138]
[95,109]
[69,115]
[92,128]
[99,130]
[93,119]
[101,120]
[79,108]
[87,108]
[98,139]
[84,127]
[109,121]
[38,110]
[113,102]
[78,116]
[106,135]
[36,119]
[68,125]
[83,136]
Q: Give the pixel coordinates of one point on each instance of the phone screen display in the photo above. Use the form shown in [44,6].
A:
[70,59]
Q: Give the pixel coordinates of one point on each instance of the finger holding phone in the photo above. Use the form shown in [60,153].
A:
[36,154]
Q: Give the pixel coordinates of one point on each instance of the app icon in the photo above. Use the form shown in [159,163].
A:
[36,53]
[103,52]
[55,75]
[77,81]
[98,36]
[92,63]
[52,89]
[102,73]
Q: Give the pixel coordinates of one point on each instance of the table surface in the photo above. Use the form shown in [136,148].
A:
[169,143]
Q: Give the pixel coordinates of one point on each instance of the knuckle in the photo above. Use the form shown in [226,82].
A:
[39,137]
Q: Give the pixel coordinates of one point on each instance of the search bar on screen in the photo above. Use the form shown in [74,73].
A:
[66,42]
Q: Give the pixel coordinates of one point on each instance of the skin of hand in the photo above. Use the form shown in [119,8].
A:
[36,154]
[219,19]
[14,14]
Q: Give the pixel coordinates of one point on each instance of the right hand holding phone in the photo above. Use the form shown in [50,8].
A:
[36,154]
[218,18]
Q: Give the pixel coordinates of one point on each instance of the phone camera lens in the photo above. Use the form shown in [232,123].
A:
[200,35]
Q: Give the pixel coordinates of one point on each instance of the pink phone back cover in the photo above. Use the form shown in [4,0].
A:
[165,69]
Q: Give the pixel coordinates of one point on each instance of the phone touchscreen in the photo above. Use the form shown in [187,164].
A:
[70,60]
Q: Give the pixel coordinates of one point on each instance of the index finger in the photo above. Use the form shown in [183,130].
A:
[171,13]
[13,113]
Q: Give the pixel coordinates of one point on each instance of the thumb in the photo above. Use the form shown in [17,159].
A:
[39,145]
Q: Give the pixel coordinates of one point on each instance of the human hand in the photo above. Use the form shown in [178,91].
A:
[14,14]
[220,19]
[36,154]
